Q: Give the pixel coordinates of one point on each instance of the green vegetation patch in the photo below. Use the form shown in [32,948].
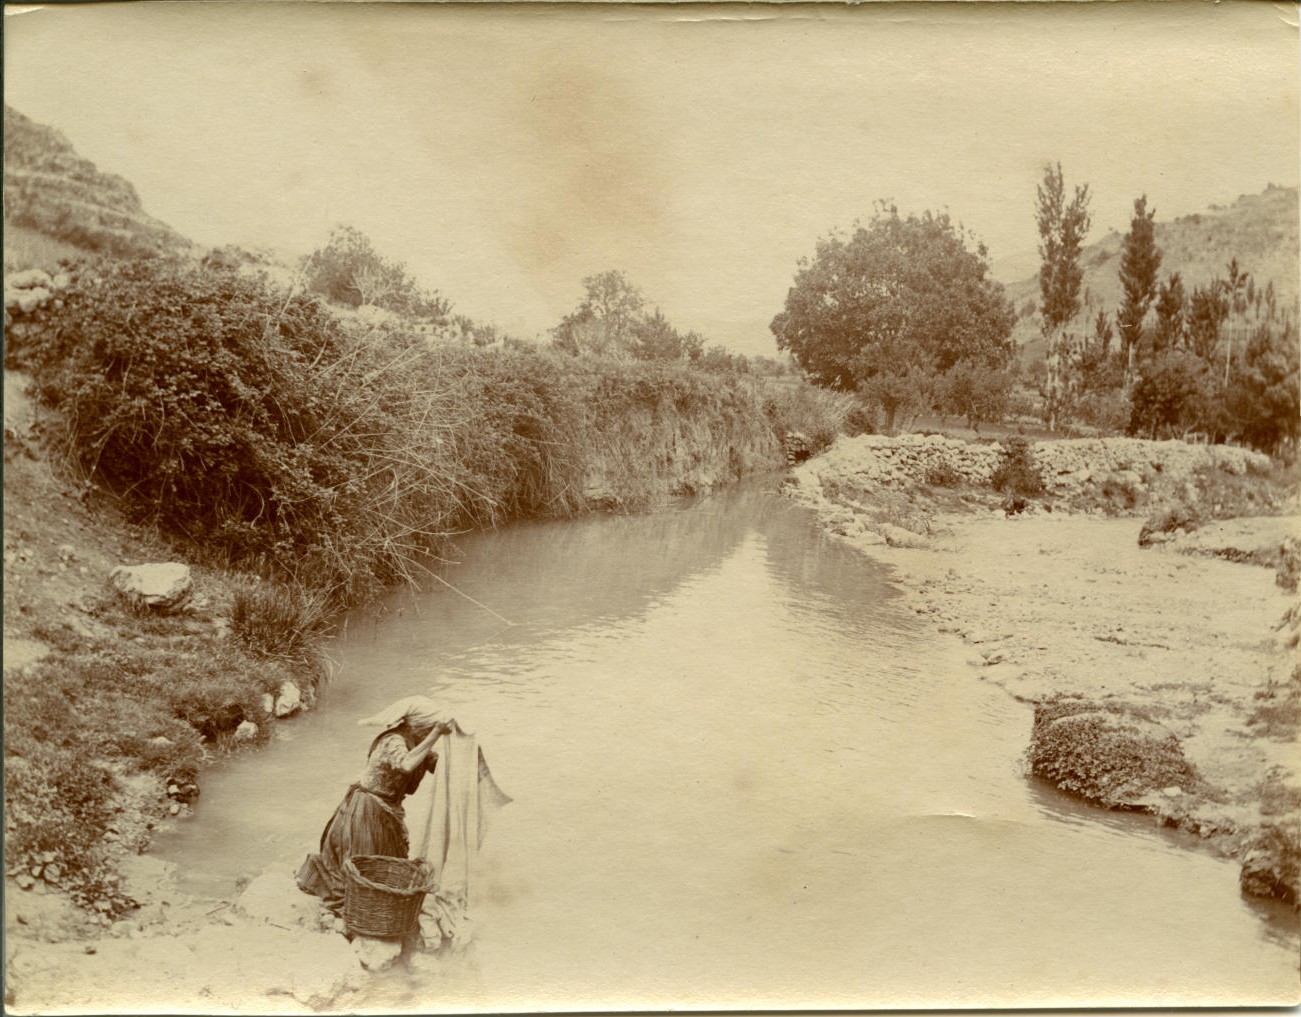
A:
[99,729]
[1106,752]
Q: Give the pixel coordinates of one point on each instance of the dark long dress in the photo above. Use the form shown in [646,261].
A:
[369,820]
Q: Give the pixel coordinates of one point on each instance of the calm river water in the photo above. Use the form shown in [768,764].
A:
[746,777]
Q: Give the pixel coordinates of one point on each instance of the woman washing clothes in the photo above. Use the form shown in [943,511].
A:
[370,819]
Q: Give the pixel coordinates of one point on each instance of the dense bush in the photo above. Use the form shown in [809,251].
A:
[1106,754]
[263,430]
[1017,475]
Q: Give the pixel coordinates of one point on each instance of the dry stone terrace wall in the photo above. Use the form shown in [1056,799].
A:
[1068,466]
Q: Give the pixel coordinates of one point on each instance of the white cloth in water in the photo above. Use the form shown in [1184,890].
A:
[449,818]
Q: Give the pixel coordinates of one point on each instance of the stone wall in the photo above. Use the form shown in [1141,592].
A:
[1069,466]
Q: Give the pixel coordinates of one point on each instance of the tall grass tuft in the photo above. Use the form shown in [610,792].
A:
[278,619]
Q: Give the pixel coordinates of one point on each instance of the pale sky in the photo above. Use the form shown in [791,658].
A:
[505,152]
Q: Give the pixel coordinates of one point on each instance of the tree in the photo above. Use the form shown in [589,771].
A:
[1236,291]
[606,320]
[655,339]
[348,270]
[978,392]
[889,307]
[1172,395]
[1170,308]
[1062,229]
[1140,260]
[1264,403]
[1208,307]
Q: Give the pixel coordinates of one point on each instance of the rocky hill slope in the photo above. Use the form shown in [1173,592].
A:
[52,191]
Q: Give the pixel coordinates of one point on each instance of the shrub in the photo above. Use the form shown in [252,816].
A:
[1277,713]
[1106,753]
[1288,571]
[1179,516]
[1271,865]
[797,407]
[942,474]
[1017,474]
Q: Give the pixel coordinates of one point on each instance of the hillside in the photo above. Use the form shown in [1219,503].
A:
[1260,230]
[53,192]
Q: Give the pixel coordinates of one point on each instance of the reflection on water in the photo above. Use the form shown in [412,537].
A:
[743,776]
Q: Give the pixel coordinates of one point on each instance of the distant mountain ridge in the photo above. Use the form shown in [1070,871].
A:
[1262,231]
[51,189]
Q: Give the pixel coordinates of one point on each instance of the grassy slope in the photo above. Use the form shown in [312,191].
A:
[1260,230]
[52,190]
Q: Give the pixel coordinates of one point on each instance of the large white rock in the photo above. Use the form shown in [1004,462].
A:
[162,586]
[289,701]
[274,899]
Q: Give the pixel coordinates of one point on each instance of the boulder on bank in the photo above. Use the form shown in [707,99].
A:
[162,586]
[1271,865]
[1106,754]
[274,898]
[289,700]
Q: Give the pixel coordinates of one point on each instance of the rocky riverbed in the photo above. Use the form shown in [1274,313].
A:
[1164,677]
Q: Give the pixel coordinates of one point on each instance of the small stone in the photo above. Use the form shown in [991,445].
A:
[1172,792]
[246,731]
[175,809]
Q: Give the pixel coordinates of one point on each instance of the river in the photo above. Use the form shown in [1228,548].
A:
[744,776]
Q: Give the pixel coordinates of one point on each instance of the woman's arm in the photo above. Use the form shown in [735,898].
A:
[415,759]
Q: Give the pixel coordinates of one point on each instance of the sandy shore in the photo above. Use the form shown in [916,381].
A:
[1054,605]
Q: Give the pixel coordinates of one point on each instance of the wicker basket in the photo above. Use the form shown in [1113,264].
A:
[383,895]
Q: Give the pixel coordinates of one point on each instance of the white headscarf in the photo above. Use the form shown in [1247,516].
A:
[420,712]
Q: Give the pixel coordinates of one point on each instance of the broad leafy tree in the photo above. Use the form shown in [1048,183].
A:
[607,319]
[887,309]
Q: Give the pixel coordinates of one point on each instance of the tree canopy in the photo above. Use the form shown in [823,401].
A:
[348,270]
[613,321]
[892,304]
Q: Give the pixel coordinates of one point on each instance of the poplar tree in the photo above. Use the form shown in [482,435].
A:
[1140,260]
[1062,228]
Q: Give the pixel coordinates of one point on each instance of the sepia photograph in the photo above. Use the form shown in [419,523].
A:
[619,508]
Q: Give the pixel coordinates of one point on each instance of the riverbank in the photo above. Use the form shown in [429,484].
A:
[1160,678]
[113,712]
[288,460]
